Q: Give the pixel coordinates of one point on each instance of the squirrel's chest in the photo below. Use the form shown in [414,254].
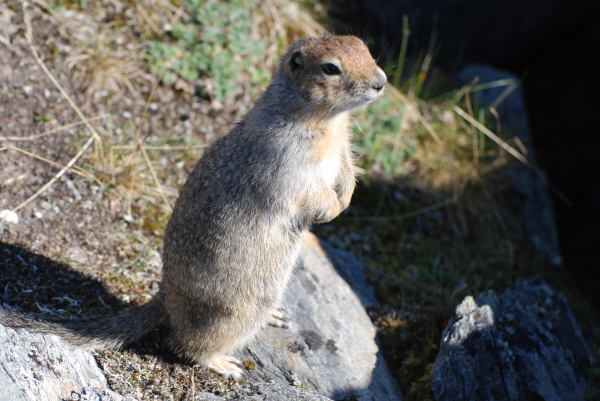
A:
[325,153]
[312,176]
[327,169]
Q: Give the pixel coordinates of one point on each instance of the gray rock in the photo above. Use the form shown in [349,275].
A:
[274,392]
[266,392]
[207,397]
[524,345]
[352,271]
[330,343]
[35,367]
[528,181]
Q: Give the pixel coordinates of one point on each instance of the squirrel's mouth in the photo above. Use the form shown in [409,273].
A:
[352,103]
[374,93]
[367,97]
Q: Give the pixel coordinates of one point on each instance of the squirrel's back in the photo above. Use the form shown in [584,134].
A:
[238,224]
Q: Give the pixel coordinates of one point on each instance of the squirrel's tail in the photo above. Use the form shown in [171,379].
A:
[95,333]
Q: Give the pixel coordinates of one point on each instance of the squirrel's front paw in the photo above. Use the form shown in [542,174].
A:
[326,216]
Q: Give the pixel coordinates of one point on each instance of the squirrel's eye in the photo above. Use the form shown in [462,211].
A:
[331,69]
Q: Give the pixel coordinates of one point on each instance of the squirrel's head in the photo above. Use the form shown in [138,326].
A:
[332,73]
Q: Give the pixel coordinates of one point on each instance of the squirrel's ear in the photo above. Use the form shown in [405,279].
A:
[296,62]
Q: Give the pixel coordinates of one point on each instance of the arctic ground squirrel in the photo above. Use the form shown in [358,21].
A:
[238,225]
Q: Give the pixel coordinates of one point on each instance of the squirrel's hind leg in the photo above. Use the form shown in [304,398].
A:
[225,365]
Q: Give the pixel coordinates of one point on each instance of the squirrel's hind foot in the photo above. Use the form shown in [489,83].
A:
[226,366]
[278,319]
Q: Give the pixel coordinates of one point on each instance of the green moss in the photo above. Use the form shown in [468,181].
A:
[213,43]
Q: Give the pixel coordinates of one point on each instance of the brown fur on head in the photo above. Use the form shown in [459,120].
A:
[332,74]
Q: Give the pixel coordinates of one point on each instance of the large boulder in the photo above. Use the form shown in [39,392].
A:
[38,367]
[328,350]
[523,345]
[330,343]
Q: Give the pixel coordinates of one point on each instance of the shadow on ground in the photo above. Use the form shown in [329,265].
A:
[37,285]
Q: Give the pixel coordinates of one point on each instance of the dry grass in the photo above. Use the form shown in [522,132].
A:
[438,145]
[104,59]
[100,69]
[281,23]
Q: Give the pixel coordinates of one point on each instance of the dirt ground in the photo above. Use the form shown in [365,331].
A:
[76,220]
[83,246]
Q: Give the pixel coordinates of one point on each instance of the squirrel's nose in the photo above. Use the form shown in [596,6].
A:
[380,80]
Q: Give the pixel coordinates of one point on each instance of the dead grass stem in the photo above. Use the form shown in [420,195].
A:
[93,136]
[49,132]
